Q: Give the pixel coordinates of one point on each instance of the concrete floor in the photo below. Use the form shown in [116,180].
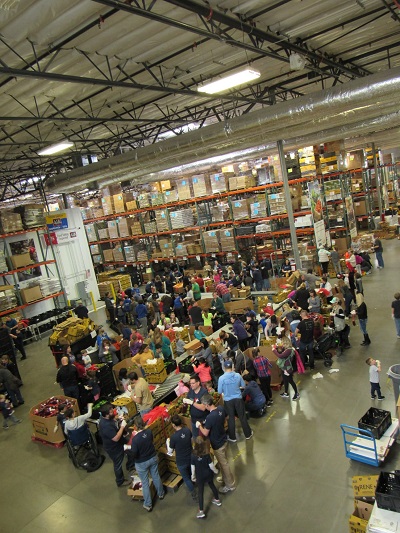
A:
[292,476]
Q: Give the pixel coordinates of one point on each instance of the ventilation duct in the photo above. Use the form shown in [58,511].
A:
[353,103]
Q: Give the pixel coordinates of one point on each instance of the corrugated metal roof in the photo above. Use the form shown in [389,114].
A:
[164,50]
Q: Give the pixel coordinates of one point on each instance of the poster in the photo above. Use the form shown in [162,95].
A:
[57,221]
[317,210]
[26,246]
[351,218]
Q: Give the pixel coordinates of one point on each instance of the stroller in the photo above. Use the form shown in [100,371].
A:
[324,345]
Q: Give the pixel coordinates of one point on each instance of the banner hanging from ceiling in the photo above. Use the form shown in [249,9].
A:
[317,210]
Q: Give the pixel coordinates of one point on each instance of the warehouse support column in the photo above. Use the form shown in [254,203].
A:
[289,207]
[378,181]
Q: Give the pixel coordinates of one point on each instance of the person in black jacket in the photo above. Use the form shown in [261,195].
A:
[229,340]
[67,377]
[301,297]
[109,306]
[362,314]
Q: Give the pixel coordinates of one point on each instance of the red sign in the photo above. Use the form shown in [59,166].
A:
[53,238]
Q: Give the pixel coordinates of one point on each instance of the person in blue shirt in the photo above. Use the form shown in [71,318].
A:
[229,384]
[101,335]
[263,320]
[257,400]
[141,313]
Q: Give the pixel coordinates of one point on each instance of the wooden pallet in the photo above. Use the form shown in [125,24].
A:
[171,482]
[51,444]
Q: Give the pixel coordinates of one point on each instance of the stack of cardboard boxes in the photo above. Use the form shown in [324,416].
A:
[364,498]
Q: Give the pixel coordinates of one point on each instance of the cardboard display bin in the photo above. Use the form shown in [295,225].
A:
[43,428]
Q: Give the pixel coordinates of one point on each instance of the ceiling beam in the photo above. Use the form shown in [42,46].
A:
[82,80]
[88,119]
[250,29]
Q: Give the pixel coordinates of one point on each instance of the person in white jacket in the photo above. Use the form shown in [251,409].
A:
[323,258]
[73,422]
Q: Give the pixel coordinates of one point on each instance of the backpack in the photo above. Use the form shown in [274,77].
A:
[285,364]
[92,462]
[127,306]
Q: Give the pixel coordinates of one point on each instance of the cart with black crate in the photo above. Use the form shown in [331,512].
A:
[371,441]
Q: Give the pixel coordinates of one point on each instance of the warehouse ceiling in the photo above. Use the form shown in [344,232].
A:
[115,76]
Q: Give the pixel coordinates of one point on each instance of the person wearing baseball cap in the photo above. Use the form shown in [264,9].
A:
[229,385]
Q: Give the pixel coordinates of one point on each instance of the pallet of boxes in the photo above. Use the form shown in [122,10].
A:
[364,488]
[285,286]
[71,330]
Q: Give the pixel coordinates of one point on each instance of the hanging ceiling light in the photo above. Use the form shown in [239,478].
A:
[56,148]
[233,80]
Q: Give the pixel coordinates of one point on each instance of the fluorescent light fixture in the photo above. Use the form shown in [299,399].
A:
[181,129]
[56,148]
[239,78]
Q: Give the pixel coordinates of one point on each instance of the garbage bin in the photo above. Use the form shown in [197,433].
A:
[394,374]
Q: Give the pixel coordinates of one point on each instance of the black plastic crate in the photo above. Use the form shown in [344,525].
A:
[376,421]
[185,366]
[387,494]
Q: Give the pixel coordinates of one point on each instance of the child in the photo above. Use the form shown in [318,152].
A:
[87,361]
[204,371]
[180,345]
[93,384]
[159,354]
[374,369]
[6,408]
[60,417]
[207,317]
[203,471]
[209,387]
[198,333]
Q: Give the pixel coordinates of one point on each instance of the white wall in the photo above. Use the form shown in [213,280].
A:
[73,257]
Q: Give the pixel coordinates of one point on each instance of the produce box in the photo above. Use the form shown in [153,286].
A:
[21,260]
[43,427]
[125,406]
[364,497]
[158,377]
[155,368]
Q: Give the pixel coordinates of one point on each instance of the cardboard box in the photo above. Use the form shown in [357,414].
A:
[125,407]
[31,294]
[238,306]
[360,208]
[358,521]
[364,494]
[364,486]
[137,494]
[21,260]
[43,428]
[193,347]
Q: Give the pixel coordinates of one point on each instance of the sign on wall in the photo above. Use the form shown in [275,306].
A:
[56,221]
